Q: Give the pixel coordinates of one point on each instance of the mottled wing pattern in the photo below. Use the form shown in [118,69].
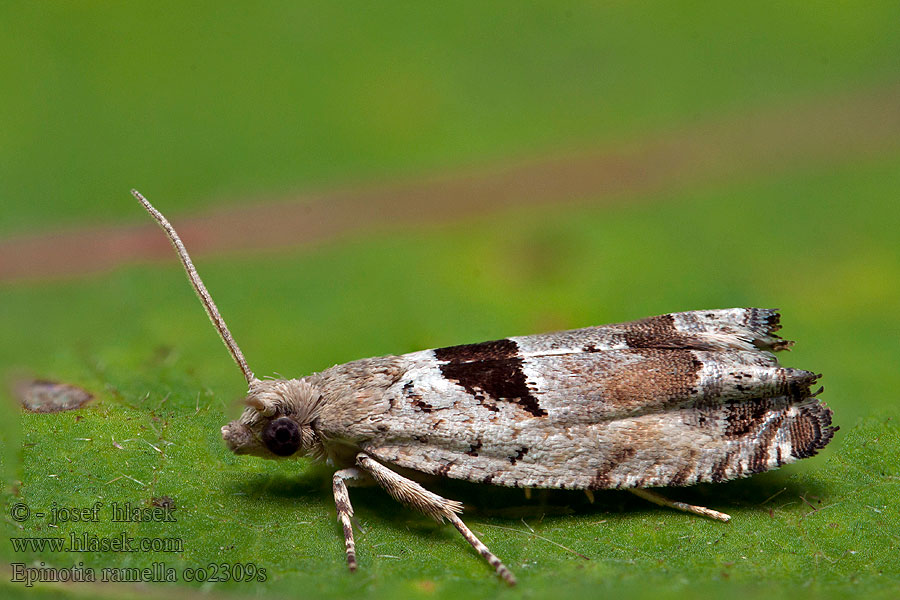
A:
[670,400]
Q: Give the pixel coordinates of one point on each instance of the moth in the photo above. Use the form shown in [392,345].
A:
[671,400]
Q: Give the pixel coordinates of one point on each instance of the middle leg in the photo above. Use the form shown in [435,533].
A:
[411,493]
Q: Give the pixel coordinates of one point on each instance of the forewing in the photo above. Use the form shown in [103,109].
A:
[620,405]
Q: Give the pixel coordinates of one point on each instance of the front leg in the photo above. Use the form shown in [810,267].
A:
[437,507]
[345,509]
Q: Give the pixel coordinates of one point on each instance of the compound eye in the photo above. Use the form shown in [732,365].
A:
[282,436]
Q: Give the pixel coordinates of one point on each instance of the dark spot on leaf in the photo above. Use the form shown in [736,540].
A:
[163,502]
[50,396]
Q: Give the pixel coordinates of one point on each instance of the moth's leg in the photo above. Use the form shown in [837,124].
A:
[353,476]
[663,501]
[439,508]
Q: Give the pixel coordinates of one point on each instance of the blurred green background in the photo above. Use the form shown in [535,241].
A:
[792,109]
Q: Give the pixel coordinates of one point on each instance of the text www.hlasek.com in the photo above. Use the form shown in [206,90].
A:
[89,542]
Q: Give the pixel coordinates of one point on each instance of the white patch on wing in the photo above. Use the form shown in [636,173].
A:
[569,342]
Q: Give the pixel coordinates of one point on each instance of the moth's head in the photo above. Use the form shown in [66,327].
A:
[279,421]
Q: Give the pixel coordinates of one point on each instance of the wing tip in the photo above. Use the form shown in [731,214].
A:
[811,430]
[762,323]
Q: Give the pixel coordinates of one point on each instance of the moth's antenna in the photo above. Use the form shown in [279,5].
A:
[204,296]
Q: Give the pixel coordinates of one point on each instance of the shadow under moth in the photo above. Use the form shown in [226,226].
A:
[671,400]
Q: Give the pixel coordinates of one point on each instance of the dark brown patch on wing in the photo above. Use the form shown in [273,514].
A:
[743,417]
[657,332]
[492,368]
[663,376]
[811,430]
[498,349]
